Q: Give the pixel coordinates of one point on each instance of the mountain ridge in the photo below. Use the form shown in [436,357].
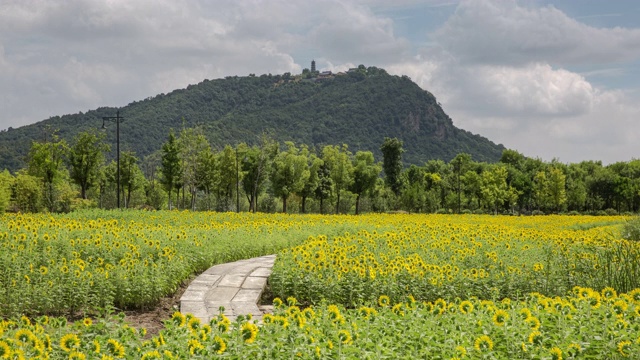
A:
[358,108]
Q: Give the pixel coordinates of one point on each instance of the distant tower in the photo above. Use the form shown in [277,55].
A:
[313,66]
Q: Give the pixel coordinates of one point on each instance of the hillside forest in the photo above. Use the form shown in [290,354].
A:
[272,176]
[359,108]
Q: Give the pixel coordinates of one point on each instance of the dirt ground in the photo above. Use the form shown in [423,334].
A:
[152,319]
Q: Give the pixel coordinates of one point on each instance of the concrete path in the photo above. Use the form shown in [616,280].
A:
[236,286]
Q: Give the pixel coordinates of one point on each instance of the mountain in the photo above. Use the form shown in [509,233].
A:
[358,108]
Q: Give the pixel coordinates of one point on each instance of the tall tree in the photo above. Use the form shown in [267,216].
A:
[191,142]
[392,163]
[206,173]
[495,190]
[365,173]
[86,156]
[45,162]
[314,163]
[255,166]
[131,177]
[289,173]
[338,161]
[225,183]
[171,169]
[325,185]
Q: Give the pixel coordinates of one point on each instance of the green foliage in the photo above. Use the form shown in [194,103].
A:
[86,155]
[358,109]
[6,182]
[365,174]
[171,169]
[289,173]
[631,229]
[27,192]
[392,162]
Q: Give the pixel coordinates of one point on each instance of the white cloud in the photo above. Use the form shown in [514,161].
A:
[500,68]
[503,32]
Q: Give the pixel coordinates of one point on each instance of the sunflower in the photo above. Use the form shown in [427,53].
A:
[178,319]
[219,346]
[77,355]
[87,322]
[383,300]
[25,336]
[483,343]
[609,293]
[535,338]
[69,342]
[151,355]
[115,348]
[249,332]
[574,349]
[193,324]
[397,309]
[344,336]
[619,307]
[533,322]
[195,347]
[624,348]
[466,307]
[500,317]
[556,353]
[5,350]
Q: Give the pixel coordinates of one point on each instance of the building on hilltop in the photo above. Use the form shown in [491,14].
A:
[313,66]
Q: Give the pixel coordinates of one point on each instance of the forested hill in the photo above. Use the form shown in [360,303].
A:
[359,108]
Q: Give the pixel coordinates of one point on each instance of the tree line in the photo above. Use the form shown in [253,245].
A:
[188,173]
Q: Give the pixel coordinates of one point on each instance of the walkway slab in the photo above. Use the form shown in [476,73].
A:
[236,286]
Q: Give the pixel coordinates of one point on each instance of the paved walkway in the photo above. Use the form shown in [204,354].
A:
[237,286]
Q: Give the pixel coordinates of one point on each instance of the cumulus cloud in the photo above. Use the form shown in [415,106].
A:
[504,32]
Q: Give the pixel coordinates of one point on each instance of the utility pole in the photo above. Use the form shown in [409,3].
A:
[116,119]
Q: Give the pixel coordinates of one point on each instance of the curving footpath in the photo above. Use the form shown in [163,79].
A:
[236,286]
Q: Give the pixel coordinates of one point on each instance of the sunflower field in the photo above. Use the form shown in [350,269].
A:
[378,286]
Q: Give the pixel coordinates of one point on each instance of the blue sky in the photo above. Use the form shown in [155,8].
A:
[551,79]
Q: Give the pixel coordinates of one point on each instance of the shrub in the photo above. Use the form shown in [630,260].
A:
[631,229]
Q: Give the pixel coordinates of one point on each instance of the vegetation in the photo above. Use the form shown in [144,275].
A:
[359,108]
[388,311]
[270,177]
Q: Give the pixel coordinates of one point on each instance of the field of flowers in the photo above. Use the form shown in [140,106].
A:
[355,287]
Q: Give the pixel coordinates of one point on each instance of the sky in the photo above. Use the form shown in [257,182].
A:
[552,79]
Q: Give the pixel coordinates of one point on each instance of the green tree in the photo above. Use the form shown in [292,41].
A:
[86,155]
[171,167]
[289,173]
[206,173]
[45,162]
[131,177]
[191,142]
[6,182]
[27,191]
[338,160]
[325,185]
[392,163]
[495,190]
[225,181]
[365,173]
[255,166]
[314,163]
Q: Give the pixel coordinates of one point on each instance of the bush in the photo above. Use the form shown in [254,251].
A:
[631,229]
[537,212]
[611,211]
